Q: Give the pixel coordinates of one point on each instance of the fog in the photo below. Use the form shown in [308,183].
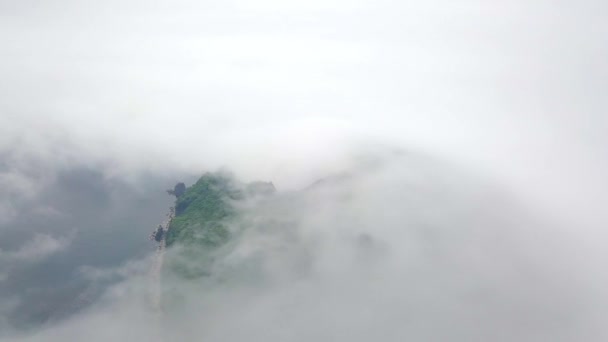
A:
[472,134]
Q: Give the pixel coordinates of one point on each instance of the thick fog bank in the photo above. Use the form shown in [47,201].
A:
[404,247]
[106,104]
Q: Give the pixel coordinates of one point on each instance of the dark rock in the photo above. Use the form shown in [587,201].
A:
[178,190]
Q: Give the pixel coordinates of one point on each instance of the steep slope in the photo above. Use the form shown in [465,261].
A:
[201,211]
[204,221]
[205,209]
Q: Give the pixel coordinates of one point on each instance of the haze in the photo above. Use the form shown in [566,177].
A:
[474,133]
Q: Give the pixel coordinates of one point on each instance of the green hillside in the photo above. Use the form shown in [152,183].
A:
[201,211]
[204,210]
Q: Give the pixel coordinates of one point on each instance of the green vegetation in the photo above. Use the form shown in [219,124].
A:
[205,220]
[204,210]
[201,213]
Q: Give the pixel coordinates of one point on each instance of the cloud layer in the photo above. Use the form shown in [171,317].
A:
[410,248]
[104,105]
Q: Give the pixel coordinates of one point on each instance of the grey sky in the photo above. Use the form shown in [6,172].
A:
[514,86]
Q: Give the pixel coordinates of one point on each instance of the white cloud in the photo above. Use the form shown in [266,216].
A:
[513,92]
[39,247]
[141,87]
[446,257]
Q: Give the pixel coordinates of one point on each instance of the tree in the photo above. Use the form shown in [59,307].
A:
[178,190]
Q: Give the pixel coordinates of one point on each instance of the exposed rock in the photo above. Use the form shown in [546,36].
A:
[178,190]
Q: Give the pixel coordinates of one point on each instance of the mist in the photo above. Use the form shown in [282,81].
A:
[463,144]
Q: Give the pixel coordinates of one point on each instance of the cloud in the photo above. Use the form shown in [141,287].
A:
[36,249]
[411,248]
[126,95]
[127,270]
[141,94]
[6,306]
[79,219]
